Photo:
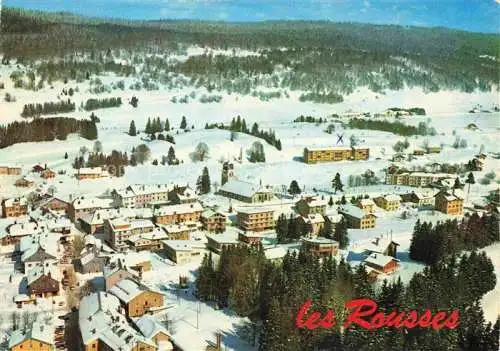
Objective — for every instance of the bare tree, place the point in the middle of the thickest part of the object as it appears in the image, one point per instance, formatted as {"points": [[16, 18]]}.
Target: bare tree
{"points": [[78, 245], [200, 152], [97, 146]]}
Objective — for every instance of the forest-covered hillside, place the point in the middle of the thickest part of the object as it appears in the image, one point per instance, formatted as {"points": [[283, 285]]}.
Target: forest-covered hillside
{"points": [[326, 60]]}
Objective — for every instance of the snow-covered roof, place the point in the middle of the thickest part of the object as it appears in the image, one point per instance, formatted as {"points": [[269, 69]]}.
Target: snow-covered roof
{"points": [[242, 188], [94, 170], [175, 228], [156, 234], [22, 229], [39, 239], [100, 215], [224, 238], [49, 248], [149, 327], [334, 218], [178, 209], [57, 223], [91, 202], [367, 202], [276, 252], [378, 244], [352, 211], [122, 224], [99, 319], [209, 213], [377, 259], [314, 218], [21, 201], [452, 194], [321, 240], [36, 272], [178, 245], [40, 331], [252, 210], [127, 290], [392, 197], [143, 189]]}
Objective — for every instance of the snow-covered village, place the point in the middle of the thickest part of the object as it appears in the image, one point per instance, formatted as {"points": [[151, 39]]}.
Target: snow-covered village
{"points": [[190, 191]]}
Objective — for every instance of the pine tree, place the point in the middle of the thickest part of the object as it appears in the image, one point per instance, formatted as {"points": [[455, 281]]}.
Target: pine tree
{"points": [[294, 188], [330, 201], [65, 155], [340, 234], [282, 229], [337, 183], [343, 200], [183, 123], [327, 230], [470, 180], [132, 130], [171, 159], [148, 129], [203, 183], [167, 125]]}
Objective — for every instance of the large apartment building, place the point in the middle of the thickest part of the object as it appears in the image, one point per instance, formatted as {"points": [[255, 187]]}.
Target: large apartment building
{"points": [[82, 206], [142, 195], [335, 153], [450, 202], [255, 219], [417, 179]]}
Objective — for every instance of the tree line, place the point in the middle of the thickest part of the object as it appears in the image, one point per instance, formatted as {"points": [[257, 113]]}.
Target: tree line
{"points": [[94, 104], [47, 108], [116, 160], [45, 129], [392, 127], [431, 243]]}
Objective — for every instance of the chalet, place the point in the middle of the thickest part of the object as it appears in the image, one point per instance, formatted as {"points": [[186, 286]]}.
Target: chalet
{"points": [[177, 231], [58, 225], [15, 232], [47, 174], [10, 170], [421, 198], [390, 202], [334, 153], [91, 173], [41, 282], [320, 246], [37, 168], [38, 336], [381, 263], [85, 205], [398, 157], [40, 255], [182, 195], [450, 202], [177, 214], [54, 204], [150, 241], [255, 219], [14, 207], [310, 205], [250, 238], [153, 330], [103, 326], [245, 191], [182, 251], [116, 271], [136, 298], [356, 218], [314, 222], [90, 262], [334, 219], [381, 245], [217, 242], [24, 182], [367, 205], [213, 221]]}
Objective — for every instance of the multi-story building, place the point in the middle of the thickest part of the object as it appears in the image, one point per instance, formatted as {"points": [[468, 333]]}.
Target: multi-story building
{"points": [[24, 182], [367, 205], [421, 198], [94, 222], [121, 229], [314, 222], [381, 263], [320, 246], [39, 336], [390, 202], [47, 174], [213, 221], [356, 218], [41, 282], [177, 214], [335, 153], [182, 251], [86, 205], [136, 298], [10, 170], [255, 219], [417, 179], [150, 241], [310, 205], [245, 191], [182, 195], [14, 207], [139, 196], [450, 202], [177, 231], [219, 242], [91, 173]]}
